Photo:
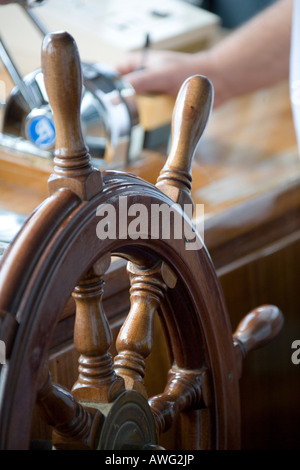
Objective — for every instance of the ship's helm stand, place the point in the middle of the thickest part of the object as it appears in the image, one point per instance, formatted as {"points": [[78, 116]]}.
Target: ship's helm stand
{"points": [[58, 254]]}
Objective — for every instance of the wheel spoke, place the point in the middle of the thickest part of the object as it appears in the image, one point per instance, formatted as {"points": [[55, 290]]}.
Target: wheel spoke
{"points": [[185, 391], [135, 340], [97, 381], [74, 426]]}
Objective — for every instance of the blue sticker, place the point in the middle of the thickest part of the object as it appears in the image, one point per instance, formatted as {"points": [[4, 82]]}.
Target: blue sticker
{"points": [[41, 132]]}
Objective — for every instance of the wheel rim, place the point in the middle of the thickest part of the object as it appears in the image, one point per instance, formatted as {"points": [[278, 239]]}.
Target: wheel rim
{"points": [[39, 316]]}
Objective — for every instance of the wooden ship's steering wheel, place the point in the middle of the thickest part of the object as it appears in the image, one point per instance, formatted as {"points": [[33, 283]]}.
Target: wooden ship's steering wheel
{"points": [[59, 254]]}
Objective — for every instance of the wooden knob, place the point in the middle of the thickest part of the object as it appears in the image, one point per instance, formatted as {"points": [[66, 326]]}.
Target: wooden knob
{"points": [[190, 116], [256, 329], [63, 80]]}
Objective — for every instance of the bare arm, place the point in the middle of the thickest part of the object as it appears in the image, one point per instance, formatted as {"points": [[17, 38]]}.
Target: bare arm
{"points": [[253, 56], [256, 55]]}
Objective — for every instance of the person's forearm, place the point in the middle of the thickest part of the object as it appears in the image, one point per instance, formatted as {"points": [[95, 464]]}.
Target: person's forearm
{"points": [[255, 55]]}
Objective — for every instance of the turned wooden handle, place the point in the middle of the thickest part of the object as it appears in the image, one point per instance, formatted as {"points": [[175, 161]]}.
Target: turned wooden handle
{"points": [[258, 328], [63, 80], [190, 116]]}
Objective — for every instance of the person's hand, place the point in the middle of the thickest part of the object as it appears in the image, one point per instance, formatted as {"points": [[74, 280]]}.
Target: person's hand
{"points": [[163, 71]]}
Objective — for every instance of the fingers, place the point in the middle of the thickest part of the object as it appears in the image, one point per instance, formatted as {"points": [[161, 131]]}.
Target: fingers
{"points": [[153, 59], [152, 81], [161, 72], [129, 64]]}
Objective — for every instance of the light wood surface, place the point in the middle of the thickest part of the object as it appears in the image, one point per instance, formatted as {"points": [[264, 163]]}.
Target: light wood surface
{"points": [[249, 148]]}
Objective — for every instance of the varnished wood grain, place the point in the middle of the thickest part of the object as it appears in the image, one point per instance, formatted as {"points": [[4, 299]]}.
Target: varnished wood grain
{"points": [[72, 162], [191, 113]]}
